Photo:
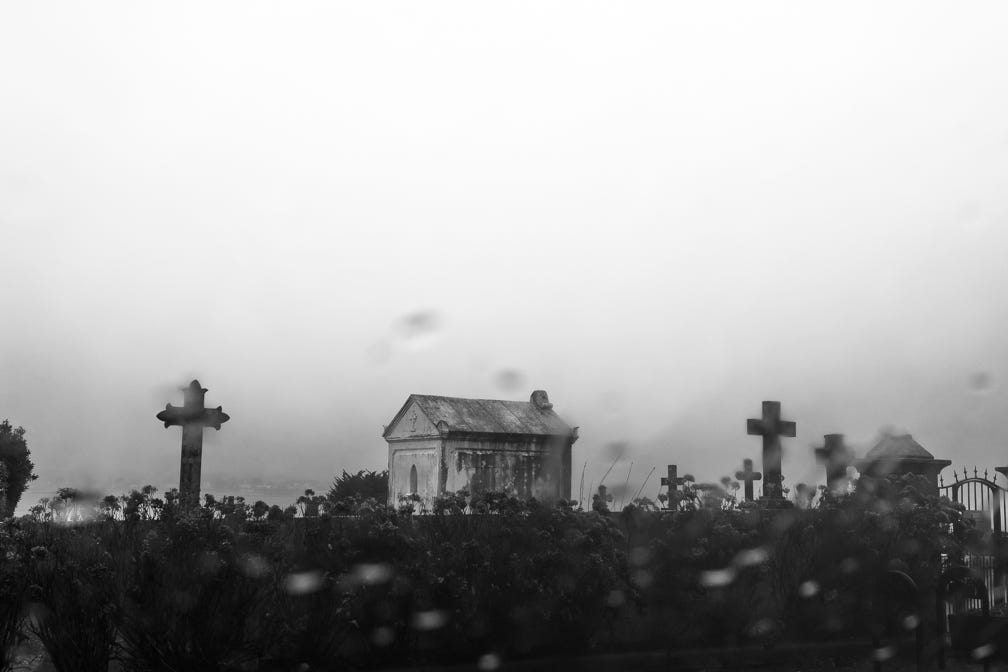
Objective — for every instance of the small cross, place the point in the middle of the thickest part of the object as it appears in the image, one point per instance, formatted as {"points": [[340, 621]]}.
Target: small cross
{"points": [[748, 476], [192, 417], [837, 457], [673, 481], [771, 428], [603, 496]]}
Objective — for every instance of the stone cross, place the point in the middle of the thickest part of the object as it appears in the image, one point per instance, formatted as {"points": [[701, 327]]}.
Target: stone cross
{"points": [[192, 417], [837, 456], [602, 493], [771, 428], [748, 476], [673, 481]]}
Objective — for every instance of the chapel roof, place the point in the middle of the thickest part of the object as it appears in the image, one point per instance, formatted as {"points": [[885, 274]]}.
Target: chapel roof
{"points": [[898, 447], [492, 416]]}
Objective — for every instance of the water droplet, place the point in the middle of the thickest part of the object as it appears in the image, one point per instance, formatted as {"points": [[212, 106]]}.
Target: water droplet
{"points": [[911, 621], [716, 578], [808, 588], [488, 661], [383, 636], [983, 651], [509, 380], [849, 565], [302, 583], [419, 328], [762, 627], [639, 555], [980, 381], [642, 578], [616, 451], [615, 599], [366, 574], [253, 565], [429, 620], [884, 653], [751, 556]]}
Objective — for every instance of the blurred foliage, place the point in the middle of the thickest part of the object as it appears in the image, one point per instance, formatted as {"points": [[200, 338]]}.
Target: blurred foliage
{"points": [[232, 585], [73, 596], [16, 468], [14, 583]]}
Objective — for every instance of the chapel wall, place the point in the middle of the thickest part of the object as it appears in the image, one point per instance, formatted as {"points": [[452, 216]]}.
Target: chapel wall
{"points": [[533, 467], [403, 456]]}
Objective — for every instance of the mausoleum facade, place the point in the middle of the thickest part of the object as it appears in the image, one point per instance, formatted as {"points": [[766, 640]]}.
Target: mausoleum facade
{"points": [[444, 444]]}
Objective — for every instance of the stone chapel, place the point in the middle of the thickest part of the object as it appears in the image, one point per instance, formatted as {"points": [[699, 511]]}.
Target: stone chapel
{"points": [[439, 445]]}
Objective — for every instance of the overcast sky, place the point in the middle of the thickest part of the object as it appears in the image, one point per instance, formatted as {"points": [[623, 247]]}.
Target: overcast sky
{"points": [[661, 213]]}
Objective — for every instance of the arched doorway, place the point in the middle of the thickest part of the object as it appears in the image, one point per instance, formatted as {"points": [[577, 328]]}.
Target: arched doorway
{"points": [[413, 480]]}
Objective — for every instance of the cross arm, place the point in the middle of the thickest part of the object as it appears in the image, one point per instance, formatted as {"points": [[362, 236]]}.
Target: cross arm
{"points": [[172, 415], [180, 415], [786, 428], [754, 426], [215, 417]]}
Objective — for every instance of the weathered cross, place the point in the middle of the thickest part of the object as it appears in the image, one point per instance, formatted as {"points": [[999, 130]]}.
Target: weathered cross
{"points": [[837, 457], [193, 417], [748, 476], [771, 428], [673, 482]]}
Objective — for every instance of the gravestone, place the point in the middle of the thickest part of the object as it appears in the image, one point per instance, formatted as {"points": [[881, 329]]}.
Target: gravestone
{"points": [[192, 417], [771, 428], [747, 475], [837, 456], [673, 481]]}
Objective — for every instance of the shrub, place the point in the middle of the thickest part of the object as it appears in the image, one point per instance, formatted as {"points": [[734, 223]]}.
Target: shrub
{"points": [[16, 467], [14, 558], [188, 600], [359, 486], [73, 591], [230, 585]]}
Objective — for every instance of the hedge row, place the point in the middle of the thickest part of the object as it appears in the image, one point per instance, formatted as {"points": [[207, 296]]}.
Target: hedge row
{"points": [[202, 590]]}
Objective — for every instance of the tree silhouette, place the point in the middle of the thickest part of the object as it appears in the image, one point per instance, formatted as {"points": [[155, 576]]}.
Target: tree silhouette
{"points": [[362, 485], [16, 467]]}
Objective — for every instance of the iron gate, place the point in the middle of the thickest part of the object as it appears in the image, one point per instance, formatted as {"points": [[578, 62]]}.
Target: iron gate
{"points": [[985, 501]]}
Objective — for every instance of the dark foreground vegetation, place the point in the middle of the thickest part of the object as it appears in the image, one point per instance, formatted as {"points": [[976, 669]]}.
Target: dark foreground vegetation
{"points": [[232, 586]]}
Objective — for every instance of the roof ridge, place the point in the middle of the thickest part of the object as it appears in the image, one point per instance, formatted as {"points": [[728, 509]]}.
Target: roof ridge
{"points": [[491, 416], [444, 396]]}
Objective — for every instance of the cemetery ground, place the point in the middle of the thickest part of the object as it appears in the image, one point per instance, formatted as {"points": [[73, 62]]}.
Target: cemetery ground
{"points": [[488, 582], [31, 657]]}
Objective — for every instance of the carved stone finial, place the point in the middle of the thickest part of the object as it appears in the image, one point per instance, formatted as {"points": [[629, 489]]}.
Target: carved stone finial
{"points": [[541, 400]]}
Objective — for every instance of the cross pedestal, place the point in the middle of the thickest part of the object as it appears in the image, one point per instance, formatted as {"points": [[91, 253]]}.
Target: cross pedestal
{"points": [[771, 428], [192, 417], [748, 476]]}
